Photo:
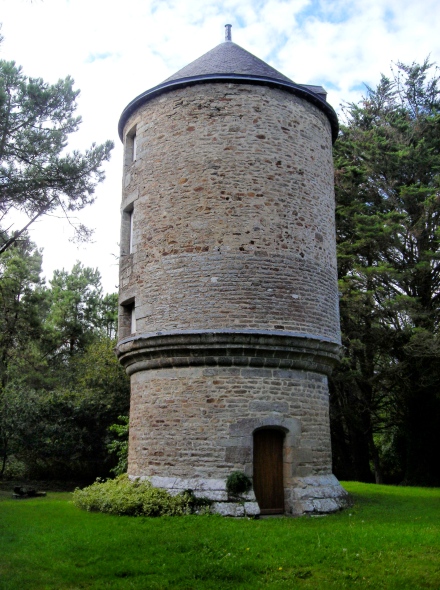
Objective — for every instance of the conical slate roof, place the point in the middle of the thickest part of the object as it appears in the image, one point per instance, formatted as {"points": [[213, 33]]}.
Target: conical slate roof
{"points": [[228, 58], [228, 62]]}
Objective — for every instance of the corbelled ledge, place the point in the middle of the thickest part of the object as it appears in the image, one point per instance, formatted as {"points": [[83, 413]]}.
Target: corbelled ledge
{"points": [[228, 347]]}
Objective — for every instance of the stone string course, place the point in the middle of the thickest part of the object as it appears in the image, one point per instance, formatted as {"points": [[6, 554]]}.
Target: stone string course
{"points": [[233, 229], [240, 348]]}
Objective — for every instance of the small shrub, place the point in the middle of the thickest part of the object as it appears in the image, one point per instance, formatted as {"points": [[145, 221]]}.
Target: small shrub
{"points": [[122, 496], [15, 469], [197, 504], [238, 483]]}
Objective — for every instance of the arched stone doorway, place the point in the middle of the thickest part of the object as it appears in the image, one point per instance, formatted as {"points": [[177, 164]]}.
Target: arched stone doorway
{"points": [[268, 470]]}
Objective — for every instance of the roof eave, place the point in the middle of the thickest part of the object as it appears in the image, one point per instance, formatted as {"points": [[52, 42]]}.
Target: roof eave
{"points": [[296, 89]]}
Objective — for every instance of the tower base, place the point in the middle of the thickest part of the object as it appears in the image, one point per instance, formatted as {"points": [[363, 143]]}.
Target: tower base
{"points": [[319, 494], [207, 404]]}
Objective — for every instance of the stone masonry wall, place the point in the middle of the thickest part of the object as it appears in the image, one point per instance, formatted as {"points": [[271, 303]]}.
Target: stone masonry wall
{"points": [[233, 211], [205, 417], [232, 260]]}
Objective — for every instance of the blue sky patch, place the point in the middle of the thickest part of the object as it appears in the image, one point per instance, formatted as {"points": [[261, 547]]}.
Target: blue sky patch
{"points": [[360, 87], [98, 56], [325, 12], [328, 85]]}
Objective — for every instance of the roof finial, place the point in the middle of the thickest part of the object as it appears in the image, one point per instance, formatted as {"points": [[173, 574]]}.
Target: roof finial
{"points": [[228, 36]]}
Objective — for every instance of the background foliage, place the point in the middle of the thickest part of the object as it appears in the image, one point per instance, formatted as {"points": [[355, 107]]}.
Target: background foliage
{"points": [[385, 398], [61, 385]]}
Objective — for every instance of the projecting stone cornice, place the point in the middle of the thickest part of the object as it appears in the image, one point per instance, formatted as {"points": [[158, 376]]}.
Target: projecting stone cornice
{"points": [[299, 90], [231, 348]]}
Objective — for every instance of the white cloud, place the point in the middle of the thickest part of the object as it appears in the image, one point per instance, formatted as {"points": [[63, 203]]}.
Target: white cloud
{"points": [[115, 51]]}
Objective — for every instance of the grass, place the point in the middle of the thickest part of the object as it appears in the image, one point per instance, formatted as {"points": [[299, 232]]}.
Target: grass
{"points": [[390, 539]]}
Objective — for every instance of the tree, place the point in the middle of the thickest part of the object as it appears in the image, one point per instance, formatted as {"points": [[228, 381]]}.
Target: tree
{"points": [[36, 176], [66, 435], [19, 421], [75, 309], [22, 309], [61, 385], [119, 445], [21, 304], [109, 315], [385, 397]]}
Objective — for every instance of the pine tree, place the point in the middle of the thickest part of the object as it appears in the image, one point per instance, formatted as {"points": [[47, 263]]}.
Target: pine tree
{"points": [[36, 176], [387, 162]]}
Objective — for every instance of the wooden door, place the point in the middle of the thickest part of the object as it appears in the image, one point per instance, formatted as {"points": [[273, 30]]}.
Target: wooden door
{"points": [[268, 471]]}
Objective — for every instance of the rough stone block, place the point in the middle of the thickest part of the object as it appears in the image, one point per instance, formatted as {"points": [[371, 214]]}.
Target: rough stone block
{"points": [[325, 505], [238, 454], [228, 509], [251, 509], [268, 406]]}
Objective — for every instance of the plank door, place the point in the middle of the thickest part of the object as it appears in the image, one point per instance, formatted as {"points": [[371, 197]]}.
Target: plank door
{"points": [[268, 471]]}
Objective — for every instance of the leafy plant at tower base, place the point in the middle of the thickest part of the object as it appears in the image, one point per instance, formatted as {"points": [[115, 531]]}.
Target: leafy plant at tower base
{"points": [[122, 496], [238, 483]]}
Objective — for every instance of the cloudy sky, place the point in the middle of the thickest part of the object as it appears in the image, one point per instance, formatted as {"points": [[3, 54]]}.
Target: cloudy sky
{"points": [[116, 50]]}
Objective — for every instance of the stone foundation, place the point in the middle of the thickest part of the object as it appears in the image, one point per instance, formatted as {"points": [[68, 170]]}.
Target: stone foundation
{"points": [[308, 495], [320, 494]]}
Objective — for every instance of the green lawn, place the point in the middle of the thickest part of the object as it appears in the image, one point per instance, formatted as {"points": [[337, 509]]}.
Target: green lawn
{"points": [[389, 539]]}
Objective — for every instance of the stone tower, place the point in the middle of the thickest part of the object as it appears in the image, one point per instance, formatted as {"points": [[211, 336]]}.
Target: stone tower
{"points": [[229, 319]]}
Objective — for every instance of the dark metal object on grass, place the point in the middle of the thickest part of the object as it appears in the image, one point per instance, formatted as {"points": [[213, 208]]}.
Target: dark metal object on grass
{"points": [[22, 493]]}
